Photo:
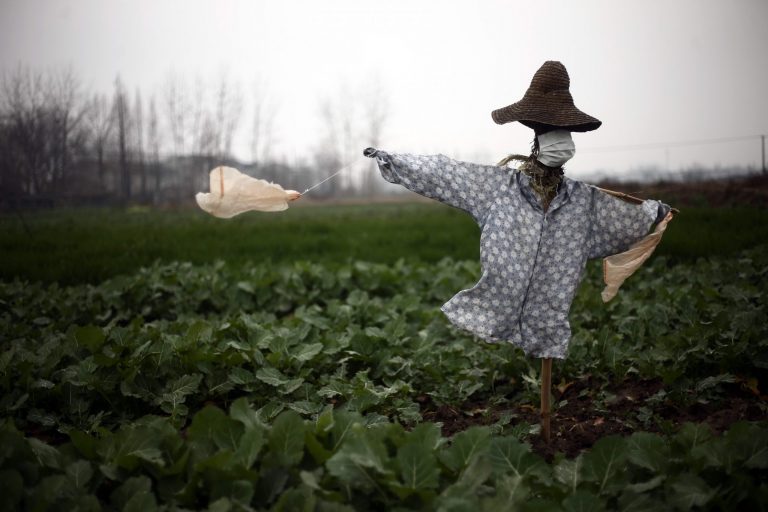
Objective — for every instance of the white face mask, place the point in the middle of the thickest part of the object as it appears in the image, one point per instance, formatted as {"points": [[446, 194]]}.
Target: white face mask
{"points": [[555, 148]]}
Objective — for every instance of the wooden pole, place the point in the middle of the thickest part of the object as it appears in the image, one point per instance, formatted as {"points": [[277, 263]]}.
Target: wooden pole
{"points": [[628, 198], [546, 388]]}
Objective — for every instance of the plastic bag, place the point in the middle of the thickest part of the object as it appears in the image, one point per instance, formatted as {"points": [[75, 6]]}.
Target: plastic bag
{"points": [[233, 193], [618, 267]]}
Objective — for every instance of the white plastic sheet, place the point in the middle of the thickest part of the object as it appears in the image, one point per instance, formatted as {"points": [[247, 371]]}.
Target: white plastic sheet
{"points": [[618, 267], [233, 193]]}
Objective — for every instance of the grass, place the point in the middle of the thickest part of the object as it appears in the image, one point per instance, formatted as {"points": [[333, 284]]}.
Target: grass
{"points": [[89, 245]]}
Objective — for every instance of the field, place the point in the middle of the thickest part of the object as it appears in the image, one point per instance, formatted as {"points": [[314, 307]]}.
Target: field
{"points": [[78, 246], [299, 361]]}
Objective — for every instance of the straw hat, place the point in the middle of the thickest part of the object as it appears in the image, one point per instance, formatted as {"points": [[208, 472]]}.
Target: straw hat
{"points": [[548, 102]]}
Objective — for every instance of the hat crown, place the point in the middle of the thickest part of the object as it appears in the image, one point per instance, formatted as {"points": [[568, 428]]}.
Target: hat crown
{"points": [[551, 76], [548, 101]]}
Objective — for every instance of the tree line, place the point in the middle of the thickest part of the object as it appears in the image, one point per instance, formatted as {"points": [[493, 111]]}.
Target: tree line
{"points": [[63, 144]]}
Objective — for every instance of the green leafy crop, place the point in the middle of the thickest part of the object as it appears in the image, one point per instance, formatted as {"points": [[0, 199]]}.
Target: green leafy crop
{"points": [[306, 386]]}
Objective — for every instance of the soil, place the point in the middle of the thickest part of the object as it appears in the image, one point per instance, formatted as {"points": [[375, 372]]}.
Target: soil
{"points": [[579, 423]]}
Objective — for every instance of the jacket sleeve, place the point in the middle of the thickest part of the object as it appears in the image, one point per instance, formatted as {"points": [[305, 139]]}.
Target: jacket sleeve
{"points": [[617, 224], [467, 186]]}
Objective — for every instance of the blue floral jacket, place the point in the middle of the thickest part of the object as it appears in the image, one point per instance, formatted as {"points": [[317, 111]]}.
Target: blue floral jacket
{"points": [[532, 261]]}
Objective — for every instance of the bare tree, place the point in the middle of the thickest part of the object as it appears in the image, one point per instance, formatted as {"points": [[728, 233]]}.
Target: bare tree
{"points": [[177, 108], [138, 143], [101, 121], [205, 136], [47, 129], [375, 108], [262, 125], [198, 130], [123, 121], [180, 127], [208, 138], [42, 119], [153, 146], [228, 109], [346, 113], [328, 154], [24, 118], [351, 119], [67, 133], [216, 124]]}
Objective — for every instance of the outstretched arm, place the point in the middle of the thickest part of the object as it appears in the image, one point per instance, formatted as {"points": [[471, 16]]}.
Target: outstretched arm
{"points": [[467, 186], [617, 224]]}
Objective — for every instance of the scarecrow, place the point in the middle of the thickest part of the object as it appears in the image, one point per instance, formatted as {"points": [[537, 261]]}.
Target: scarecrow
{"points": [[538, 227]]}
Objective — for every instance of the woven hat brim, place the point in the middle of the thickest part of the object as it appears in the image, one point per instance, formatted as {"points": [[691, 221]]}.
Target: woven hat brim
{"points": [[566, 116]]}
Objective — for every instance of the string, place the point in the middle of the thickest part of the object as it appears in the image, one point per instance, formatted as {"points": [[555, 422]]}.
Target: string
{"points": [[332, 175]]}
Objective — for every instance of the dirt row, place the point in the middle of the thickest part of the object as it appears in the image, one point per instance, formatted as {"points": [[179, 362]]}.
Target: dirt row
{"points": [[583, 420]]}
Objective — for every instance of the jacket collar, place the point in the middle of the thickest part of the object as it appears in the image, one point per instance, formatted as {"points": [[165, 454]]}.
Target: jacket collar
{"points": [[564, 192]]}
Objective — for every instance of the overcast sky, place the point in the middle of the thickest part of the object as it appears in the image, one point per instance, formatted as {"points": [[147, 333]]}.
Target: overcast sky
{"points": [[652, 71]]}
